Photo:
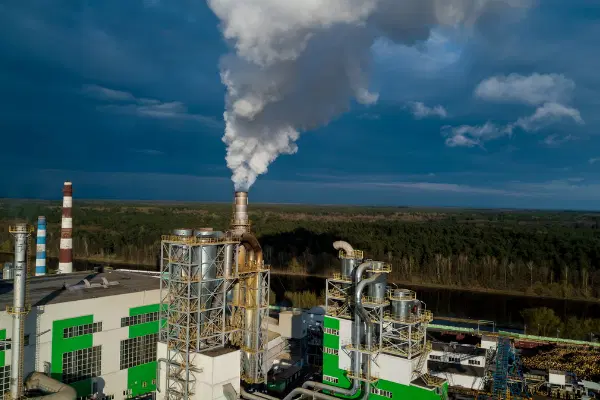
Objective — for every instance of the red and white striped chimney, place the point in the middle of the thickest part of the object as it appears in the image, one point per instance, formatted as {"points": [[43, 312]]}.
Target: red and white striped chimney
{"points": [[65, 258]]}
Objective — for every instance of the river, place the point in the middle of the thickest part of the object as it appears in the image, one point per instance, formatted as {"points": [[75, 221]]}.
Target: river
{"points": [[505, 310]]}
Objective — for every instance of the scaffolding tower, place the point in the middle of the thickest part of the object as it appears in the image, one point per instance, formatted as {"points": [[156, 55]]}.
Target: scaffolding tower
{"points": [[196, 274], [214, 291]]}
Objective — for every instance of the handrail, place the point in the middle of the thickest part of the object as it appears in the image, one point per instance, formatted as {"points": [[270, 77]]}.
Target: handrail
{"points": [[356, 254]]}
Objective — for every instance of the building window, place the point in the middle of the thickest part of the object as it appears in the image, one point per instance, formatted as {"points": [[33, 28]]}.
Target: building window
{"points": [[383, 393], [330, 331], [154, 381], [4, 380], [328, 350], [434, 357], [474, 362], [139, 319], [139, 350], [80, 330], [82, 364], [454, 359], [330, 379], [7, 345]]}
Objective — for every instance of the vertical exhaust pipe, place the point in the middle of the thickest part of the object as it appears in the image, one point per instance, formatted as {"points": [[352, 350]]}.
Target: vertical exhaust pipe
{"points": [[240, 222], [65, 259], [19, 309], [40, 251]]}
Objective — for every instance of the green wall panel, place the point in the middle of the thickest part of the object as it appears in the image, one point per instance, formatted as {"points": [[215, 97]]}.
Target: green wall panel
{"points": [[137, 376], [60, 345], [144, 373], [3, 352], [331, 367]]}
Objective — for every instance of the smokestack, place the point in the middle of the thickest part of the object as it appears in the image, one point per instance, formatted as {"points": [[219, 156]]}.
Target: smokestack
{"points": [[40, 251], [240, 222], [65, 259], [18, 310]]}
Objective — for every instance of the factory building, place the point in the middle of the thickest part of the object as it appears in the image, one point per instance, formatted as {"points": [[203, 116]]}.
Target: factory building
{"points": [[96, 332], [200, 327]]}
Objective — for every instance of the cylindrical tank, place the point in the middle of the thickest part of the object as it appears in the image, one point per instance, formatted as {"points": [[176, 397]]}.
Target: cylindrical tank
{"points": [[402, 302], [348, 265], [229, 259], [204, 257], [183, 232], [377, 290], [251, 329], [7, 271]]}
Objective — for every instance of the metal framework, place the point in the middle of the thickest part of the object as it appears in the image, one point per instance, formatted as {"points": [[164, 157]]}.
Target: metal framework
{"points": [[403, 336], [253, 305], [211, 296], [193, 306]]}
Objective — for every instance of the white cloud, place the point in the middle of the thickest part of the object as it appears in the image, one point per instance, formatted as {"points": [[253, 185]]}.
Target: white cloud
{"points": [[555, 140], [534, 89], [547, 114], [594, 160], [420, 110], [103, 93], [127, 103], [474, 135]]}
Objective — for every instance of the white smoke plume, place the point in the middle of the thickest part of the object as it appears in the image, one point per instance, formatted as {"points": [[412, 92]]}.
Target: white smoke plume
{"points": [[296, 64]]}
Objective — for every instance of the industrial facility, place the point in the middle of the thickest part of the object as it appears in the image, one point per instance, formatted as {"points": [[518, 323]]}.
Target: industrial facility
{"points": [[202, 328]]}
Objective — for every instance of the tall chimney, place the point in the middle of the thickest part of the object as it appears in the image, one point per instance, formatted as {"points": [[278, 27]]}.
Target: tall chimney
{"points": [[40, 252], [240, 222], [19, 309], [65, 259]]}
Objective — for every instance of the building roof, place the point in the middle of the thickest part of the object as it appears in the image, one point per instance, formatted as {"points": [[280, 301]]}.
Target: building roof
{"points": [[53, 289]]}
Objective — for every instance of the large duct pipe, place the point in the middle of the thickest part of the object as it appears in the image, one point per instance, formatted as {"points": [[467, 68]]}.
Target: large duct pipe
{"points": [[57, 390], [240, 222], [21, 233], [341, 245], [65, 260], [40, 251]]}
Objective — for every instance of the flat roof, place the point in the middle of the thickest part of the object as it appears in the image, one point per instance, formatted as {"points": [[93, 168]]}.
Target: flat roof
{"points": [[52, 289]]}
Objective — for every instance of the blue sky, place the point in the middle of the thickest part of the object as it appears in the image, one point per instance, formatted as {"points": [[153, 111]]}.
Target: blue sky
{"points": [[125, 100]]}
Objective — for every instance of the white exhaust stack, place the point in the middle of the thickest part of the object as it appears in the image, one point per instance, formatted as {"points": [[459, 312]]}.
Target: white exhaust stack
{"points": [[19, 309]]}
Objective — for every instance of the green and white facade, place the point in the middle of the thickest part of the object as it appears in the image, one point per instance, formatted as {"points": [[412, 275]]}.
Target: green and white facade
{"points": [[97, 343], [394, 374]]}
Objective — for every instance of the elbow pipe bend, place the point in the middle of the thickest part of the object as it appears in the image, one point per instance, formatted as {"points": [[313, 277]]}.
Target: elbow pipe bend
{"points": [[341, 245]]}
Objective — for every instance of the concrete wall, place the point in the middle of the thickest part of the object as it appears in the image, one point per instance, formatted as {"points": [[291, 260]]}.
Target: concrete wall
{"points": [[215, 372]]}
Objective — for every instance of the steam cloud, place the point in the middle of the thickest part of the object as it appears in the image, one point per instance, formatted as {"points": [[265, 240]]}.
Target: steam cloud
{"points": [[297, 64]]}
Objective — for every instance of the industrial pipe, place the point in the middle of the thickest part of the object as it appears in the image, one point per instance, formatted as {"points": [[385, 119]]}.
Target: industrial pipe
{"points": [[358, 272], [340, 244], [251, 244], [254, 396], [57, 390], [18, 309]]}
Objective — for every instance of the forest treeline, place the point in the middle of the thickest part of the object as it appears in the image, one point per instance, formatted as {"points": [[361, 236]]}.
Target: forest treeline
{"points": [[544, 253]]}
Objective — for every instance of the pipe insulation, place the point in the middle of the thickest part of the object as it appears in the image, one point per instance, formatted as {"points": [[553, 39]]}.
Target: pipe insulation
{"points": [[341, 245], [57, 390]]}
